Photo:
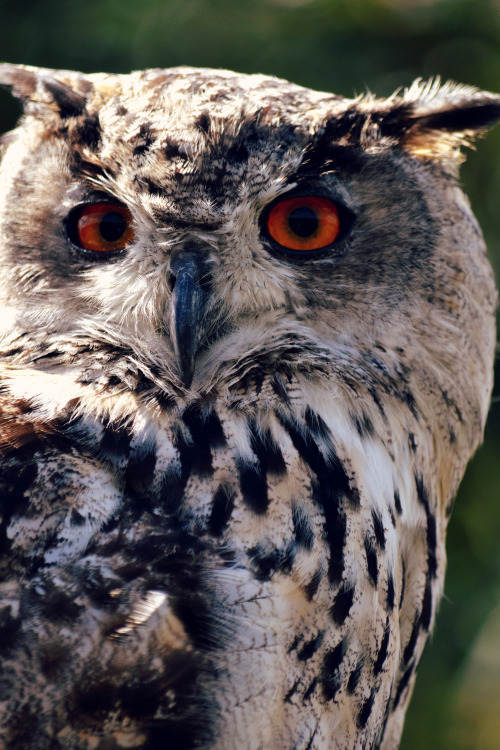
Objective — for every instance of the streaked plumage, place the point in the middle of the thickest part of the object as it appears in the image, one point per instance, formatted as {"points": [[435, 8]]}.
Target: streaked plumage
{"points": [[227, 470]]}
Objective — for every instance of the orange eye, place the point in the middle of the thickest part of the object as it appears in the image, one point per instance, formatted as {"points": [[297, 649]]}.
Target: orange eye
{"points": [[101, 227], [304, 223]]}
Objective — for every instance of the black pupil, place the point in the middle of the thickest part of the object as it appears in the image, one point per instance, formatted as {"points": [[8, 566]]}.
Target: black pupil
{"points": [[303, 221], [112, 226]]}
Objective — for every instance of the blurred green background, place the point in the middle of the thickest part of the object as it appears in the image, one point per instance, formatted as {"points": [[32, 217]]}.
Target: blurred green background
{"points": [[345, 46]]}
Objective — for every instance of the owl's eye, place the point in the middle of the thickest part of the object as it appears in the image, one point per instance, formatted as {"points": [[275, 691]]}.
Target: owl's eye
{"points": [[303, 223], [100, 227]]}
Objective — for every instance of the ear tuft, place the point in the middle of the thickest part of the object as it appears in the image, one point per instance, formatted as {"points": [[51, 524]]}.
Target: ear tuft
{"points": [[37, 88], [19, 79], [69, 102], [442, 118]]}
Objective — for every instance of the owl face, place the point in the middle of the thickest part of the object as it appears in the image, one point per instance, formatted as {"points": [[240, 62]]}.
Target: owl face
{"points": [[246, 353], [221, 189]]}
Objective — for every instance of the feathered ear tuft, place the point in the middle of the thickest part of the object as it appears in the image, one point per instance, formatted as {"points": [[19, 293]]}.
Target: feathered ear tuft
{"points": [[37, 89], [436, 120]]}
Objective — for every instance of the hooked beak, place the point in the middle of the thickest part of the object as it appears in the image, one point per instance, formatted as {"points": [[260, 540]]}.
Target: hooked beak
{"points": [[189, 281]]}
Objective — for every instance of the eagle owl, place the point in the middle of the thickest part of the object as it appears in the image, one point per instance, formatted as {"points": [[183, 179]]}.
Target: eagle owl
{"points": [[246, 354]]}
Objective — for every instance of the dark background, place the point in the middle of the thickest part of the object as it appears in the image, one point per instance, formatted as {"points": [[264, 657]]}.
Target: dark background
{"points": [[345, 46]]}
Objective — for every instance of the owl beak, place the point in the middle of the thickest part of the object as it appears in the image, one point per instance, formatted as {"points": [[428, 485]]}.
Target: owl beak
{"points": [[190, 285]]}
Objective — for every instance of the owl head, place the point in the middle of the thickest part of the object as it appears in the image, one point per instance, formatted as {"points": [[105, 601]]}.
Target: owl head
{"points": [[186, 227]]}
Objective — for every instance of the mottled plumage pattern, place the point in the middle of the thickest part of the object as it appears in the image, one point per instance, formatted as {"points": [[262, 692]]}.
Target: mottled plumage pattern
{"points": [[245, 549]]}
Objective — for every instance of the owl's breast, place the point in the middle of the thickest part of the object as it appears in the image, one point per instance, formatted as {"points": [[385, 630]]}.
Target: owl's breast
{"points": [[230, 574]]}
